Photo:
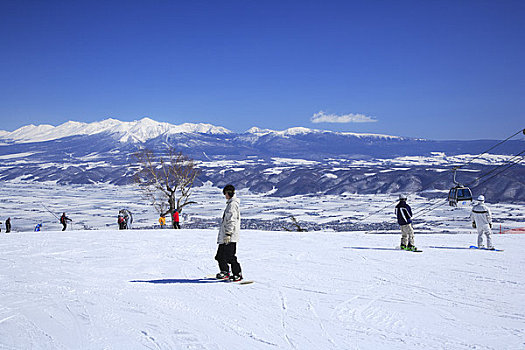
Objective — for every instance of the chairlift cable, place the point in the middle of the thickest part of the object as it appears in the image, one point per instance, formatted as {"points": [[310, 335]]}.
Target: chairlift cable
{"points": [[49, 210], [428, 205], [424, 211], [511, 160], [429, 209], [379, 210], [490, 149], [508, 167], [453, 169]]}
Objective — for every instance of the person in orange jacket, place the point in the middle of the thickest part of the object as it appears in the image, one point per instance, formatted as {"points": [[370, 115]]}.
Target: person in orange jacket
{"points": [[162, 221]]}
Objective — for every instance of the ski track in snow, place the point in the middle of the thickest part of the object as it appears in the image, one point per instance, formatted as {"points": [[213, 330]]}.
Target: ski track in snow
{"points": [[143, 289]]}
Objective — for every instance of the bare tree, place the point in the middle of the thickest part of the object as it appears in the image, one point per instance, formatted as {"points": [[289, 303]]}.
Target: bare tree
{"points": [[166, 180]]}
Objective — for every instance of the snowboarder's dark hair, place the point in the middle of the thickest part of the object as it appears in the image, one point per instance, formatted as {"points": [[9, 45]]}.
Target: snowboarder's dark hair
{"points": [[229, 189]]}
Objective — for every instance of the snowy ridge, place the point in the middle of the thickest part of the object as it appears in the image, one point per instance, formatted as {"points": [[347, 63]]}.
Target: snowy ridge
{"points": [[146, 129], [136, 131], [303, 131]]}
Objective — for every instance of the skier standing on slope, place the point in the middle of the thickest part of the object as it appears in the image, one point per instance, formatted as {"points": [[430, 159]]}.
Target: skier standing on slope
{"points": [[482, 220], [121, 222], [404, 219], [63, 220], [8, 225], [162, 221], [176, 219], [228, 237]]}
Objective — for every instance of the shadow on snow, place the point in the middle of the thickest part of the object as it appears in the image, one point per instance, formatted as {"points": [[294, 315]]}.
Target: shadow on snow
{"points": [[371, 248], [180, 281], [434, 247]]}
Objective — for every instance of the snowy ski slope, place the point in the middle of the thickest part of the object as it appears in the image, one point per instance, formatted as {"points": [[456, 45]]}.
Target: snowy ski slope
{"points": [[143, 289]]}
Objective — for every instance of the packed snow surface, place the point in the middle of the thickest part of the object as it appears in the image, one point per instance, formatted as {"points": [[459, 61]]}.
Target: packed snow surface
{"points": [[145, 289]]}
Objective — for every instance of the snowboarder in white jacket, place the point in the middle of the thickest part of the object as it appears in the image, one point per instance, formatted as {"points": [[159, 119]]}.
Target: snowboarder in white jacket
{"points": [[482, 221], [228, 237]]}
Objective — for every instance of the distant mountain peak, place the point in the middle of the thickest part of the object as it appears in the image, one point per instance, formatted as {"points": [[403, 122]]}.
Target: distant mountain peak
{"points": [[135, 131], [258, 131], [298, 130], [294, 131]]}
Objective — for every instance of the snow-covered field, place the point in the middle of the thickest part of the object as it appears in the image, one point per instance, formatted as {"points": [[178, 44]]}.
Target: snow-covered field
{"points": [[96, 207], [143, 289]]}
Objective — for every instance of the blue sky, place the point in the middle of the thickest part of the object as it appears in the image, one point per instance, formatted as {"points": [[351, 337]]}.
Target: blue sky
{"points": [[433, 69]]}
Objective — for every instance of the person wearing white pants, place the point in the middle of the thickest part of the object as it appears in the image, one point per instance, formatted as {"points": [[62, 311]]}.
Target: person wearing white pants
{"points": [[482, 221], [404, 219]]}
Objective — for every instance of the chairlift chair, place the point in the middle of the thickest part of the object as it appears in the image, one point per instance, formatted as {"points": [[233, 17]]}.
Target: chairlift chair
{"points": [[459, 195]]}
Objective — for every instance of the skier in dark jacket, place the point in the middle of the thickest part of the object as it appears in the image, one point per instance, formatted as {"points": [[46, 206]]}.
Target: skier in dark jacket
{"points": [[404, 219], [8, 225], [63, 220], [121, 222]]}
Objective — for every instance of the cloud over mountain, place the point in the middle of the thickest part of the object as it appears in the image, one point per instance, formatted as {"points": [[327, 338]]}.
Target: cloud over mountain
{"points": [[322, 117]]}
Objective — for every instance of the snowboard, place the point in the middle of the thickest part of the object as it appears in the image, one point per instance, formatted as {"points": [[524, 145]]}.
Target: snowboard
{"points": [[243, 282], [413, 251], [495, 250]]}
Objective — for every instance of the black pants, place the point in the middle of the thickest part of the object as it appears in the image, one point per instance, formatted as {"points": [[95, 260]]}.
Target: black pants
{"points": [[176, 225], [65, 226], [226, 255]]}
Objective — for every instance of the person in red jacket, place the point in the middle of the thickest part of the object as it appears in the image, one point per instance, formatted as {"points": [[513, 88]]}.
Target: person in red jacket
{"points": [[176, 224]]}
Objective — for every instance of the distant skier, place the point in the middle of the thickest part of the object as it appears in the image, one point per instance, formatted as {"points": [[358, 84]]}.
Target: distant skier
{"points": [[128, 218], [228, 237], [482, 220], [162, 221], [176, 224], [63, 220], [8, 225], [38, 227], [404, 219], [121, 222]]}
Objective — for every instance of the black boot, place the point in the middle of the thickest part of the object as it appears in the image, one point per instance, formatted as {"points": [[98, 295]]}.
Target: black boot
{"points": [[223, 275], [236, 278]]}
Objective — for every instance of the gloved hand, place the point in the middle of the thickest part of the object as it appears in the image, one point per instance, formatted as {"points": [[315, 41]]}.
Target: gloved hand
{"points": [[227, 239], [473, 224]]}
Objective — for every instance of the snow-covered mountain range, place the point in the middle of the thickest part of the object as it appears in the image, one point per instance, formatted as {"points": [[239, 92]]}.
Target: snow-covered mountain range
{"points": [[136, 131], [143, 130], [283, 163]]}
